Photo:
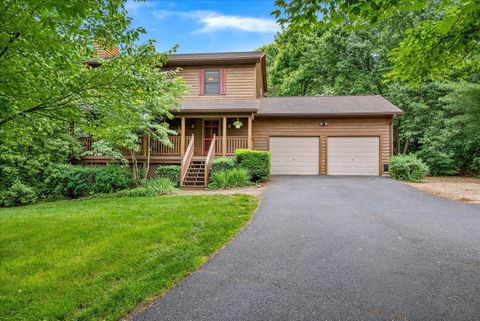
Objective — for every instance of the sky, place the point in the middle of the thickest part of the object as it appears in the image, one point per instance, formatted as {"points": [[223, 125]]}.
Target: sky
{"points": [[205, 26]]}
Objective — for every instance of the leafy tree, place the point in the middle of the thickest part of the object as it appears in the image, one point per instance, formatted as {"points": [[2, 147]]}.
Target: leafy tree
{"points": [[445, 41], [46, 86]]}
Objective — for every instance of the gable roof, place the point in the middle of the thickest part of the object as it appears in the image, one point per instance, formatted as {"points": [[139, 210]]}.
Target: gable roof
{"points": [[303, 106]]}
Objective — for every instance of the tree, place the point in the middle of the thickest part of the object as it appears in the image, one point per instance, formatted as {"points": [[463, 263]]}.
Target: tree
{"points": [[444, 41], [46, 87]]}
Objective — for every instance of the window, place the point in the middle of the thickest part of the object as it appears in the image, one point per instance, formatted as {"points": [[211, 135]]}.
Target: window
{"points": [[212, 82]]}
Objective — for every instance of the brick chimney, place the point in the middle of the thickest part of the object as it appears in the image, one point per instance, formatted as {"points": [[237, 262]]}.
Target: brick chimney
{"points": [[105, 53]]}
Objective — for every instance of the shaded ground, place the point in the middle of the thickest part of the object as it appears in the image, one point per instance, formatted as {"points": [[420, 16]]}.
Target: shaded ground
{"points": [[340, 248], [255, 190], [462, 189]]}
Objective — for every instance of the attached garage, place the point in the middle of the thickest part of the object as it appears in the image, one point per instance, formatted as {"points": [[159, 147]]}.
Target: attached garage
{"points": [[353, 155], [295, 155]]}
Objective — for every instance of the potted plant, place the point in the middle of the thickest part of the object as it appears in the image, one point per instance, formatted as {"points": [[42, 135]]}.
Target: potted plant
{"points": [[237, 124]]}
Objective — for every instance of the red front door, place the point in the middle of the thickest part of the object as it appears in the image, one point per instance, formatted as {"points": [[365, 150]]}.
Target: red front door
{"points": [[210, 128]]}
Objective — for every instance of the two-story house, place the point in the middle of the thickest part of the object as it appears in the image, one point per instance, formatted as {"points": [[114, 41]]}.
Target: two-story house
{"points": [[228, 108]]}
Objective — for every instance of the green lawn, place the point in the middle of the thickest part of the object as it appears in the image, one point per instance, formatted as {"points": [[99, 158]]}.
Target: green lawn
{"points": [[98, 259]]}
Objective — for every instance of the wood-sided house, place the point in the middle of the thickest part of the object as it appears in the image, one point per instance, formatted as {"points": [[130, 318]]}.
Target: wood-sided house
{"points": [[228, 108]]}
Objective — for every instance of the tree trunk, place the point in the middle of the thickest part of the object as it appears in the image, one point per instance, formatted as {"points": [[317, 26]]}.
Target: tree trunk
{"points": [[147, 170], [134, 168], [405, 147]]}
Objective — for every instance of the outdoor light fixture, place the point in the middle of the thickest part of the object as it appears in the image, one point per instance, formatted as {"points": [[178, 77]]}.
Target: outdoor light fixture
{"points": [[323, 124], [192, 124]]}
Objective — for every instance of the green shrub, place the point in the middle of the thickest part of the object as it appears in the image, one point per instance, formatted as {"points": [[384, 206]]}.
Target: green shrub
{"points": [[171, 172], [222, 164], [77, 181], [18, 194], [438, 162], [155, 187], [112, 178], [256, 162], [408, 168], [236, 177], [475, 167]]}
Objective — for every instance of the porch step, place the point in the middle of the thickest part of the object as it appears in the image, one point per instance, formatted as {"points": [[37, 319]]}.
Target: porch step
{"points": [[195, 176]]}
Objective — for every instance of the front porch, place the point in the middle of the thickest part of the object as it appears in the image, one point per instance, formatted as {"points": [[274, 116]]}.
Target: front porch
{"points": [[199, 139], [201, 129]]}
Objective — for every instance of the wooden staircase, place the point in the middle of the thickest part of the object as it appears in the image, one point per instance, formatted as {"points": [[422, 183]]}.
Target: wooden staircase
{"points": [[195, 175], [195, 170]]}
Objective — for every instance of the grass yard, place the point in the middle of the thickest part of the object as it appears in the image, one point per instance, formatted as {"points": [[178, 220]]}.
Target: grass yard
{"points": [[98, 259]]}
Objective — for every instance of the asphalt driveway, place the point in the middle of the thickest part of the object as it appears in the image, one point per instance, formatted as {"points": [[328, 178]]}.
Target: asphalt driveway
{"points": [[340, 248]]}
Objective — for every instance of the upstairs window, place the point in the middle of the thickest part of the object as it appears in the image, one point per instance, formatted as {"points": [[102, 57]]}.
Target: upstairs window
{"points": [[212, 82]]}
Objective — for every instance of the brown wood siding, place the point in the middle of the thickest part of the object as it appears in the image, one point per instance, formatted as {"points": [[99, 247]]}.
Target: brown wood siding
{"points": [[264, 128], [240, 81], [258, 80]]}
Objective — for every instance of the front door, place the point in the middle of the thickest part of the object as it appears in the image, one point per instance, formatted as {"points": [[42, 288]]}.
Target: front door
{"points": [[210, 128]]}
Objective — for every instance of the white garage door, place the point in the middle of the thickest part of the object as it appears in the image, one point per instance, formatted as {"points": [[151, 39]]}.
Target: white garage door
{"points": [[352, 155], [295, 155]]}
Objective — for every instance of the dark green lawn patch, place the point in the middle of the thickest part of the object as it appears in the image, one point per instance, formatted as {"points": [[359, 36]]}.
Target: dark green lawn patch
{"points": [[98, 259]]}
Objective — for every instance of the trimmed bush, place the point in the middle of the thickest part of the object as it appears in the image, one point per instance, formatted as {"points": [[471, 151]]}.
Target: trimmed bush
{"points": [[236, 177], [18, 194], [112, 178], [256, 162], [155, 187], [222, 164], [171, 172], [407, 168], [77, 181]]}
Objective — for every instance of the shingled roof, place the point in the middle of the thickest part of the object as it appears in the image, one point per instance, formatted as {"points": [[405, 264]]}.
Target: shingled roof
{"points": [[326, 106], [296, 106], [215, 58]]}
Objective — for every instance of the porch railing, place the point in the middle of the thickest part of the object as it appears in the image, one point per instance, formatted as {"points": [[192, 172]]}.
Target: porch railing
{"points": [[187, 158], [233, 143], [158, 148], [208, 160]]}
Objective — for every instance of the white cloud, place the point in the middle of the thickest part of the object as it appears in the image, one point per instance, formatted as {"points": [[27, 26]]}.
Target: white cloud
{"points": [[211, 21]]}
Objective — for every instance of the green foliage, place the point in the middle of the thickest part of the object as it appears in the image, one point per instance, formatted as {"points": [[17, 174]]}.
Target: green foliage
{"points": [[99, 259], [256, 162], [222, 164], [475, 167], [236, 177], [170, 172], [18, 194], [149, 188], [112, 178], [45, 87], [438, 38], [77, 181], [407, 168], [74, 181]]}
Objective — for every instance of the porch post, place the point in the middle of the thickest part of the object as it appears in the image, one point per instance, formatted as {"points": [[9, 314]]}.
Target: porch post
{"points": [[182, 137], [224, 137], [250, 143]]}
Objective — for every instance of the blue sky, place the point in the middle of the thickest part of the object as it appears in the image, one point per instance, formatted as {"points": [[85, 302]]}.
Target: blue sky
{"points": [[206, 26]]}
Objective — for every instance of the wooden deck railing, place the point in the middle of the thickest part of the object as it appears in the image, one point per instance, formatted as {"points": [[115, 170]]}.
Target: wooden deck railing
{"points": [[159, 149], [187, 158], [208, 160], [236, 142], [233, 143]]}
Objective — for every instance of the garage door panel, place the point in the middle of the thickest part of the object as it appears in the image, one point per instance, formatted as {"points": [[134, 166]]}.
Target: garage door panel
{"points": [[352, 155], [295, 155]]}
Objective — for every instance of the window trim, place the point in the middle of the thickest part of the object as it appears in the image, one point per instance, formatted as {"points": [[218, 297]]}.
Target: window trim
{"points": [[204, 85]]}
